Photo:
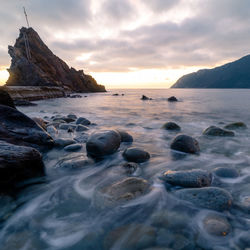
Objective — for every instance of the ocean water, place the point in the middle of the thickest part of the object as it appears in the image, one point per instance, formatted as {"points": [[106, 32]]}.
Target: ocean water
{"points": [[63, 211]]}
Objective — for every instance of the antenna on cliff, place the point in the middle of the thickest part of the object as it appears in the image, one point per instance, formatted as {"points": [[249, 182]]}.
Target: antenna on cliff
{"points": [[26, 41], [26, 17]]}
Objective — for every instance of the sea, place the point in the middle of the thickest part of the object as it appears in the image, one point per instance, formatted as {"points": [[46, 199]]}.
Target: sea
{"points": [[63, 210]]}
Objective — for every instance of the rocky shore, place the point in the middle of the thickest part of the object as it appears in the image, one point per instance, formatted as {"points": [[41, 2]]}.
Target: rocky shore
{"points": [[122, 184], [43, 75]]}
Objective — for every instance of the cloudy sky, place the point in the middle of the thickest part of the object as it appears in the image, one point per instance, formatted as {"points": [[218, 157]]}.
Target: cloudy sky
{"points": [[133, 43]]}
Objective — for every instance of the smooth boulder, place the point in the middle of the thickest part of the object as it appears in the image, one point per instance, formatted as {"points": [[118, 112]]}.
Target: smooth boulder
{"points": [[18, 163], [189, 178], [5, 99], [171, 126], [103, 143], [216, 131], [125, 136], [236, 125], [186, 144], [17, 128], [226, 172], [83, 121], [73, 147], [207, 197], [136, 155]]}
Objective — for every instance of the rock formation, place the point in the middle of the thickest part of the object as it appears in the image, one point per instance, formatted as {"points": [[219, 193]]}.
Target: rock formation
{"points": [[44, 68], [231, 75]]}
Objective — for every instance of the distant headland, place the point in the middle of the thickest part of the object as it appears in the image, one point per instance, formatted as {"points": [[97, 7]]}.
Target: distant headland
{"points": [[231, 75]]}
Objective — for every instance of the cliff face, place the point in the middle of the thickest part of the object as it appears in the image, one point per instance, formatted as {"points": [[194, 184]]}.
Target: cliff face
{"points": [[231, 75], [44, 68]]}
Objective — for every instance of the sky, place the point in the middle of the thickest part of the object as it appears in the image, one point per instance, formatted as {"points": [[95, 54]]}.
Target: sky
{"points": [[132, 43]]}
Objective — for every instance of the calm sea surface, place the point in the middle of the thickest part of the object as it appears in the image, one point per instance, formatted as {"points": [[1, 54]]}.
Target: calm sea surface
{"points": [[62, 211]]}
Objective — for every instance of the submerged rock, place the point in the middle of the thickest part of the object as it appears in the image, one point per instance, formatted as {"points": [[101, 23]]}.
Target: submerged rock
{"points": [[216, 225], [125, 136], [186, 144], [72, 116], [226, 172], [83, 121], [172, 99], [130, 167], [216, 131], [63, 142], [188, 178], [17, 128], [5, 98], [123, 190], [73, 147], [130, 237], [81, 128], [103, 143], [74, 162], [236, 125], [136, 155], [145, 98], [19, 163], [207, 197], [67, 126], [171, 126], [42, 123]]}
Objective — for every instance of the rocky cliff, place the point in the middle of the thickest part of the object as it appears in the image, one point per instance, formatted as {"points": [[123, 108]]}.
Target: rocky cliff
{"points": [[43, 68], [231, 75]]}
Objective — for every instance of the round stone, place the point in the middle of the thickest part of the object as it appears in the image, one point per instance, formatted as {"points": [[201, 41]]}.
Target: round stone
{"points": [[136, 155]]}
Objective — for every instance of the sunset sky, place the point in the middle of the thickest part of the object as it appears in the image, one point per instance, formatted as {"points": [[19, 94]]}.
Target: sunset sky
{"points": [[133, 43]]}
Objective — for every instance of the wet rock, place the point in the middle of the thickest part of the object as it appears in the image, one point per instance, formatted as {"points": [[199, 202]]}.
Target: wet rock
{"points": [[125, 136], [236, 125], [24, 103], [18, 163], [122, 191], [52, 130], [68, 119], [67, 126], [74, 96], [145, 98], [130, 237], [74, 162], [207, 197], [64, 142], [103, 143], [186, 144], [19, 129], [81, 128], [216, 131], [42, 123], [115, 94], [172, 99], [58, 120], [73, 147], [216, 225], [5, 98], [188, 178], [81, 138], [226, 172], [130, 167], [83, 121], [72, 116], [171, 126], [136, 155]]}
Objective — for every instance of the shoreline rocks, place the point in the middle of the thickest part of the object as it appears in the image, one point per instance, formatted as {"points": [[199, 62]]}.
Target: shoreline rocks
{"points": [[19, 163], [103, 143], [186, 144], [189, 178], [172, 126], [136, 155], [216, 131]]}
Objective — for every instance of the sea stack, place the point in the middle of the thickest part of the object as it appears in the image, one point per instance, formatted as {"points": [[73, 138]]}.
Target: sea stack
{"points": [[44, 69]]}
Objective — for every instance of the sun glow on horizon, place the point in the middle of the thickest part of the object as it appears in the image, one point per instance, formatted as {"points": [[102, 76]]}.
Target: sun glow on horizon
{"points": [[4, 75]]}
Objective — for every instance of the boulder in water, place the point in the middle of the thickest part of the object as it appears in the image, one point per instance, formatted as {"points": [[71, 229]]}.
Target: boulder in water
{"points": [[136, 155], [171, 126], [186, 144], [216, 131], [236, 125], [188, 178], [83, 121], [125, 136], [172, 99], [103, 143]]}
